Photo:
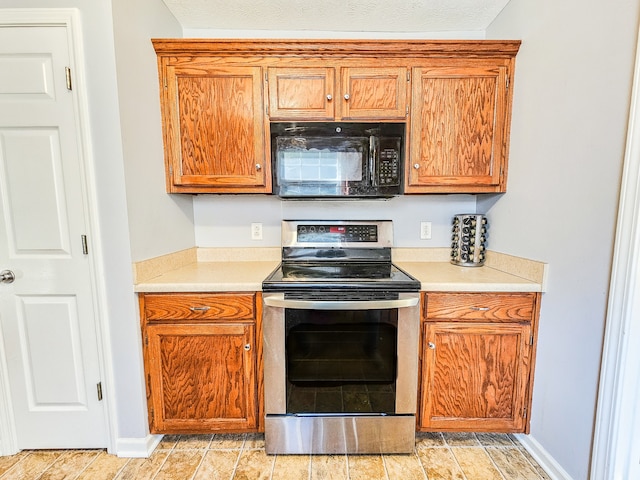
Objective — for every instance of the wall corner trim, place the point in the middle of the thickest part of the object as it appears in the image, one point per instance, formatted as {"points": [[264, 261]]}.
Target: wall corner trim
{"points": [[137, 447], [544, 459]]}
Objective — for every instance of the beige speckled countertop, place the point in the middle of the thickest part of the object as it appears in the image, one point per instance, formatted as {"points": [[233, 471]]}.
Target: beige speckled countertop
{"points": [[243, 269]]}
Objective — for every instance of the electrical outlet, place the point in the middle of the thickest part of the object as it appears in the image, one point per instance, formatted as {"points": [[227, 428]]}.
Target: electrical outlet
{"points": [[256, 231], [425, 230]]}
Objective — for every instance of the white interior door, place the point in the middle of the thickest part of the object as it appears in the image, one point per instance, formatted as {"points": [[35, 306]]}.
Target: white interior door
{"points": [[47, 314]]}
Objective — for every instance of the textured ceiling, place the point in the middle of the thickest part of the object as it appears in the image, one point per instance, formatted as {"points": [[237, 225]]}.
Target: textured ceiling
{"points": [[337, 15]]}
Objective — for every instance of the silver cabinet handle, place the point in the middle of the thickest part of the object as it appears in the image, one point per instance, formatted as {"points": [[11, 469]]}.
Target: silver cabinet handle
{"points": [[199, 309], [416, 166], [258, 167], [431, 345], [480, 309], [346, 96], [247, 347], [329, 97], [7, 276]]}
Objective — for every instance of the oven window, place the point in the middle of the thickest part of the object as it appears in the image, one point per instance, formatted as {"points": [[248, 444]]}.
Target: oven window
{"points": [[341, 361]]}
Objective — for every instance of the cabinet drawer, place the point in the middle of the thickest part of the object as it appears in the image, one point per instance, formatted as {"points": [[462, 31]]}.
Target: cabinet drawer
{"points": [[480, 306], [199, 306]]}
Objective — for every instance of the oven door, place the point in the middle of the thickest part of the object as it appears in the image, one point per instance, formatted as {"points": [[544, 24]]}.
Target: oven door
{"points": [[326, 166], [340, 376]]}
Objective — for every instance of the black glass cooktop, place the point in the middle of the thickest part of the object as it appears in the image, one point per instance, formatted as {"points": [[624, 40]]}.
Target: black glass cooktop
{"points": [[330, 275]]}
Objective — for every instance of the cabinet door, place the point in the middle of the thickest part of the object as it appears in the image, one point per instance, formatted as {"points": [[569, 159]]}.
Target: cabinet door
{"points": [[214, 129], [301, 93], [374, 93], [475, 376], [459, 125], [201, 377]]}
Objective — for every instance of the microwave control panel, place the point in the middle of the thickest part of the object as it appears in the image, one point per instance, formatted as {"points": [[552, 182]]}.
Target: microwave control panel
{"points": [[388, 161]]}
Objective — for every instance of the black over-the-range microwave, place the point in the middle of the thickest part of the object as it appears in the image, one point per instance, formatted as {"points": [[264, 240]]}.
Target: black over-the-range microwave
{"points": [[337, 159]]}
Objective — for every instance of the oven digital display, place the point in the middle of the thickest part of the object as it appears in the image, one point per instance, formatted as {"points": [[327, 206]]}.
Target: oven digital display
{"points": [[327, 233]]}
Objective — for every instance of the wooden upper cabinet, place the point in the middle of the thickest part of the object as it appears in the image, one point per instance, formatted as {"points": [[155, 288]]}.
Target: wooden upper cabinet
{"points": [[218, 97], [301, 93], [214, 128], [459, 129], [374, 93], [363, 93]]}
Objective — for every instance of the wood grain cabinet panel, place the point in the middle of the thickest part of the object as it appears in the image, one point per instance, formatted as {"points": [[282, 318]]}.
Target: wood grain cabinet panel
{"points": [[200, 306], [214, 129], [480, 306], [459, 129], [202, 377], [477, 363], [476, 376], [202, 359], [301, 93], [374, 93]]}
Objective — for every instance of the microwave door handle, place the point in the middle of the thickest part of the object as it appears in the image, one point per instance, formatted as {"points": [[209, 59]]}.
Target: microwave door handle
{"points": [[373, 154]]}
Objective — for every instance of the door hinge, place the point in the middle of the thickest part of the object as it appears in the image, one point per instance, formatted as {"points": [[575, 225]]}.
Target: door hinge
{"points": [[406, 112], [85, 246], [507, 81], [67, 74], [524, 412], [531, 339], [151, 414], [408, 75], [149, 381], [99, 387]]}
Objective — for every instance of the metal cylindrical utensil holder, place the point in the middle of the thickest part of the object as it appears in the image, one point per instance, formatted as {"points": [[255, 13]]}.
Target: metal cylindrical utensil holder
{"points": [[469, 240]]}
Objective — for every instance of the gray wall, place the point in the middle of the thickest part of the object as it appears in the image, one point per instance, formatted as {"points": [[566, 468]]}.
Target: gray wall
{"points": [[572, 92], [159, 223]]}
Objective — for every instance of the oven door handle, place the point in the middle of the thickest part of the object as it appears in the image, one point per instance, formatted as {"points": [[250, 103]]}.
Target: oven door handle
{"points": [[278, 300]]}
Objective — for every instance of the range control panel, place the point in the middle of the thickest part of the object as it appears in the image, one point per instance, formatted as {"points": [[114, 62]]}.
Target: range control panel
{"points": [[328, 233]]}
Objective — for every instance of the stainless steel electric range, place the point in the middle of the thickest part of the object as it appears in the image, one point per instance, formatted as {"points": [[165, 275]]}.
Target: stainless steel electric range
{"points": [[341, 331]]}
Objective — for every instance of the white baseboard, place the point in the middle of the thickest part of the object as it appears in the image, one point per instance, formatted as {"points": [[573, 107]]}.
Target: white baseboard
{"points": [[137, 447], [544, 459]]}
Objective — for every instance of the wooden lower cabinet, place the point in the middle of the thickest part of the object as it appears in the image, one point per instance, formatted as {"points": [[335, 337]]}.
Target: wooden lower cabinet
{"points": [[478, 353], [201, 355]]}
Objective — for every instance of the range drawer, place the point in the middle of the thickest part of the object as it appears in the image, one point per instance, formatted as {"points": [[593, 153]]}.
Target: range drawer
{"points": [[480, 306], [192, 306]]}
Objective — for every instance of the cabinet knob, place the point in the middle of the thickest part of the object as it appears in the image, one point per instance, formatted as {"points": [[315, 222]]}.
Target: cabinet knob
{"points": [[247, 347], [431, 345], [346, 96], [258, 167], [329, 97], [416, 166]]}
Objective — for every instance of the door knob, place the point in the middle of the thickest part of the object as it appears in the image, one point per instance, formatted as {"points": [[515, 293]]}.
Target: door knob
{"points": [[7, 276]]}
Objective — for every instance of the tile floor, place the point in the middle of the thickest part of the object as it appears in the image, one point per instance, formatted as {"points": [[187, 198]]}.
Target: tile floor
{"points": [[437, 456]]}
